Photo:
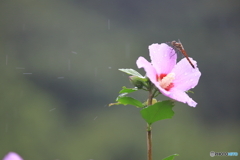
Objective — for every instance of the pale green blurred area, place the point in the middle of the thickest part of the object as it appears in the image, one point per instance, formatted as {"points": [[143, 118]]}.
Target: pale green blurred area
{"points": [[59, 71]]}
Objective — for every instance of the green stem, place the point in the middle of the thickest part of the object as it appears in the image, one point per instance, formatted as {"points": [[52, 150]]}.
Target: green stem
{"points": [[149, 130], [149, 142], [156, 93], [150, 96]]}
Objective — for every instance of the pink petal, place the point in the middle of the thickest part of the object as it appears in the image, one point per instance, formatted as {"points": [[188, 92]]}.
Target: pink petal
{"points": [[150, 71], [163, 57], [186, 77], [12, 156], [181, 96]]}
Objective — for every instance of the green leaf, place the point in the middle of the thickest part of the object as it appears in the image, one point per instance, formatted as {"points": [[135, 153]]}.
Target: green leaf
{"points": [[131, 72], [130, 101], [158, 111], [123, 99], [171, 157], [128, 90]]}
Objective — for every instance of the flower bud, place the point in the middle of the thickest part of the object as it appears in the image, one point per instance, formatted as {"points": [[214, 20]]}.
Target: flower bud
{"points": [[137, 81], [154, 100]]}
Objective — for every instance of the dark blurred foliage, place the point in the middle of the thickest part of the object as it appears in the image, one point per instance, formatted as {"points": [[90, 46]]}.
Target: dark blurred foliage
{"points": [[59, 67]]}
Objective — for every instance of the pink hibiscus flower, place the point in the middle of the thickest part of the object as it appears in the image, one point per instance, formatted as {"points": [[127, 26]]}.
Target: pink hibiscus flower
{"points": [[172, 80], [12, 156]]}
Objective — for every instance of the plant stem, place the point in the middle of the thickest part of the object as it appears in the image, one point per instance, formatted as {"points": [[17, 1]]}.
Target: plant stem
{"points": [[150, 97], [149, 130], [149, 142]]}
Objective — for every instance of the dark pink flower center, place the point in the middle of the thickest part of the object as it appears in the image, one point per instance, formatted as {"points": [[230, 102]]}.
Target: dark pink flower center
{"points": [[165, 80]]}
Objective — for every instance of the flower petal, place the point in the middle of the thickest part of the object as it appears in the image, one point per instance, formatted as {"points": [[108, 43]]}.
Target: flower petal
{"points": [[186, 77], [181, 96], [12, 156], [163, 57], [150, 71]]}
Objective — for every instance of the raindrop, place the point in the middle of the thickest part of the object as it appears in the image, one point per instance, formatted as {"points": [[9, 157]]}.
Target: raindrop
{"points": [[109, 67], [52, 109], [6, 59], [20, 68], [74, 52], [108, 24], [191, 80], [185, 73], [127, 50], [95, 71], [95, 118], [27, 73], [6, 128], [69, 64]]}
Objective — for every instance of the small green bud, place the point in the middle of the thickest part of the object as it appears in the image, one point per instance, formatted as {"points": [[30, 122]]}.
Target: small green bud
{"points": [[153, 102], [137, 81]]}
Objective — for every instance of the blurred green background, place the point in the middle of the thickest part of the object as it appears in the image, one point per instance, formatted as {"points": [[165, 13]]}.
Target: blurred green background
{"points": [[59, 71]]}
